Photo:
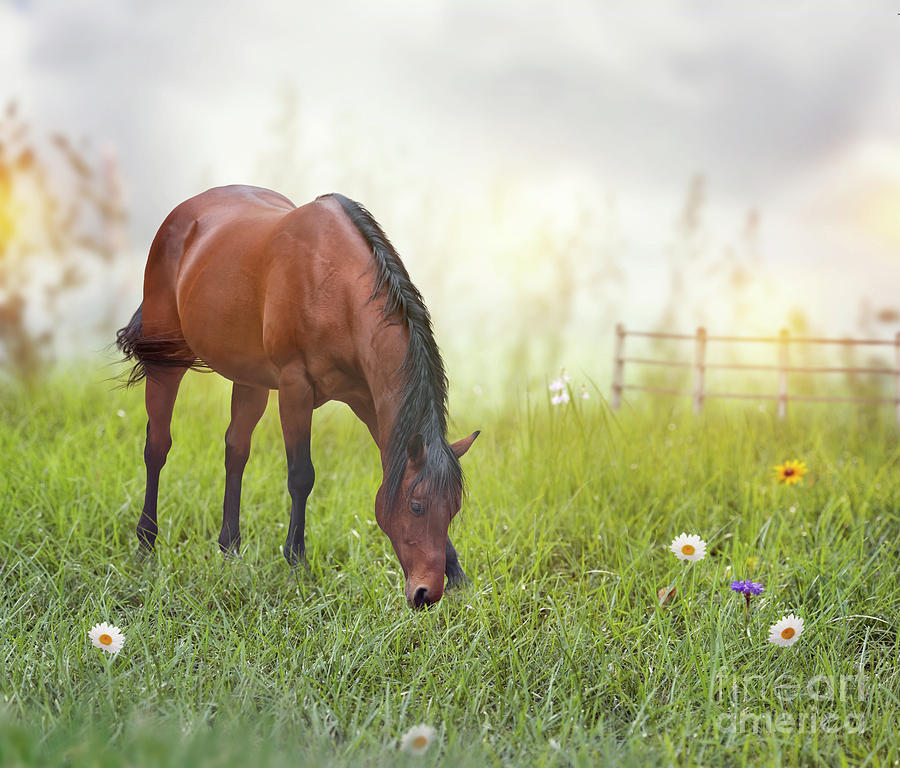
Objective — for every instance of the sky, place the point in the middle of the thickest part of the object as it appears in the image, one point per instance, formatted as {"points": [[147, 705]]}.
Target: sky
{"points": [[503, 145]]}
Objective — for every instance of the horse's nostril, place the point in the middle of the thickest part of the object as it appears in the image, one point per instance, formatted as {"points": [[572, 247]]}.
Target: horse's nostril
{"points": [[420, 598]]}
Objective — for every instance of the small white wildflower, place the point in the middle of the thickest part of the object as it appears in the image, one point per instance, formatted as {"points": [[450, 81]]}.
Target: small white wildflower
{"points": [[562, 397], [107, 637], [120, 413], [786, 631], [686, 547], [417, 739], [557, 385]]}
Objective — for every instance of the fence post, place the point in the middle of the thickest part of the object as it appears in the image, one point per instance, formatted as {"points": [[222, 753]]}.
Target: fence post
{"points": [[783, 337], [699, 368], [897, 376], [618, 368]]}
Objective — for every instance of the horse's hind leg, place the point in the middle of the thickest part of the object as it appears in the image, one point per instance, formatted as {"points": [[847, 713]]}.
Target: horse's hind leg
{"points": [[161, 391], [247, 407]]}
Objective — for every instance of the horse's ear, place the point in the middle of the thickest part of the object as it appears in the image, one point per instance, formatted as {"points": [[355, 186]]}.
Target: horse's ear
{"points": [[461, 446], [415, 450]]}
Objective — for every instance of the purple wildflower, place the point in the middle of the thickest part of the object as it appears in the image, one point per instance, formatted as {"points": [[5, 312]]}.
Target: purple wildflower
{"points": [[747, 587]]}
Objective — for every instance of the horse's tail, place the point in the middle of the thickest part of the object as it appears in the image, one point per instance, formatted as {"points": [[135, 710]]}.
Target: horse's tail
{"points": [[151, 352]]}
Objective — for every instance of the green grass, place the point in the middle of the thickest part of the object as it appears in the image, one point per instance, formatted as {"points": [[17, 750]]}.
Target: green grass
{"points": [[564, 534]]}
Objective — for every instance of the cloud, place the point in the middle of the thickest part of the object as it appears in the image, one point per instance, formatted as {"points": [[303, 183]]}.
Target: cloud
{"points": [[647, 99], [432, 101], [13, 44]]}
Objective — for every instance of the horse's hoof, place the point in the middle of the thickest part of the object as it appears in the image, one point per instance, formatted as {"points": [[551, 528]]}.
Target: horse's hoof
{"points": [[300, 569], [144, 554], [230, 555], [296, 558]]}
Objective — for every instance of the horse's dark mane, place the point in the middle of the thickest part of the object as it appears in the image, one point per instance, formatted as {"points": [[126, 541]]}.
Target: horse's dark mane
{"points": [[423, 409]]}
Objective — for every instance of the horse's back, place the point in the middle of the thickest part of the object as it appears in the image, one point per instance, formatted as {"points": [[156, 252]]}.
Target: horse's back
{"points": [[208, 213], [249, 280], [199, 216]]}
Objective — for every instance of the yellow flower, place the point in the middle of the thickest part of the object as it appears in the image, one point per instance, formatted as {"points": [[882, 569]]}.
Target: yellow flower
{"points": [[791, 472]]}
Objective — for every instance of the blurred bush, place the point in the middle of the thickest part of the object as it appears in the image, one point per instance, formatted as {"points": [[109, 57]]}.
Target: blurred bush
{"points": [[62, 218]]}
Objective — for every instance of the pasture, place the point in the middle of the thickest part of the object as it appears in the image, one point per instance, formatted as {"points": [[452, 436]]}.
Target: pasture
{"points": [[557, 655]]}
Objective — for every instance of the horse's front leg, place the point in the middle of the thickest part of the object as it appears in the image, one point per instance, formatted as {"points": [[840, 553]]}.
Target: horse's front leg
{"points": [[295, 405], [456, 577], [247, 407]]}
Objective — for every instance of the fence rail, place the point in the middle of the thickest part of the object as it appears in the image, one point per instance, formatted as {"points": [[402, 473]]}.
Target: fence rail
{"points": [[784, 340], [769, 339]]}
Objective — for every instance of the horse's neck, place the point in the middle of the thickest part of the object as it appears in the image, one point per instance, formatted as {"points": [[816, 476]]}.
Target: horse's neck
{"points": [[382, 393]]}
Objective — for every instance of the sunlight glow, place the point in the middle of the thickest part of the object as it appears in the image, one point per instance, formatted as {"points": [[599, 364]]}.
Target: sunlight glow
{"points": [[877, 196], [879, 214]]}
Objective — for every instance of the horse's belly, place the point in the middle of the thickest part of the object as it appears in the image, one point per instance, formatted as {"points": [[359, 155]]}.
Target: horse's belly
{"points": [[230, 351]]}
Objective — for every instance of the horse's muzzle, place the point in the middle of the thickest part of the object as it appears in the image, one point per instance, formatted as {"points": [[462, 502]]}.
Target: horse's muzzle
{"points": [[422, 597]]}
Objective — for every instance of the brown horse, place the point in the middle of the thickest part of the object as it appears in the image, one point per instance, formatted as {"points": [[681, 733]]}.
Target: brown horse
{"points": [[314, 302]]}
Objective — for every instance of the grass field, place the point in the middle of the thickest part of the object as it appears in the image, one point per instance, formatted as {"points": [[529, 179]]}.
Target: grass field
{"points": [[557, 655]]}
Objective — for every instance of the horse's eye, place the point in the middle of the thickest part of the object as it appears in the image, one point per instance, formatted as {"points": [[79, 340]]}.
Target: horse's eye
{"points": [[417, 507]]}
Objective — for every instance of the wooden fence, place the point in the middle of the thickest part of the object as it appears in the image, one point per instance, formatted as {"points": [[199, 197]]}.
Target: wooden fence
{"points": [[783, 341]]}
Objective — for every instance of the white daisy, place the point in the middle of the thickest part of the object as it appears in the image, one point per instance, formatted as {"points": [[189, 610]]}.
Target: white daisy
{"points": [[562, 397], [786, 631], [417, 739], [107, 637], [686, 547]]}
